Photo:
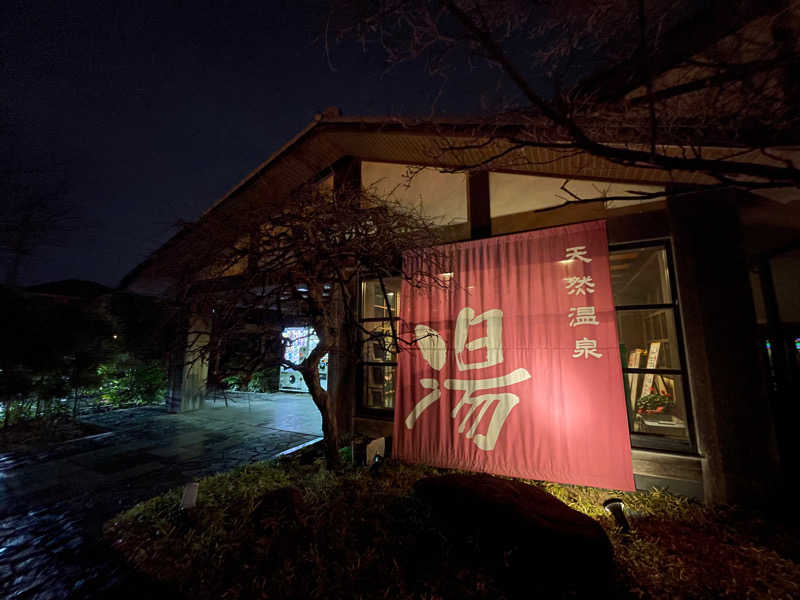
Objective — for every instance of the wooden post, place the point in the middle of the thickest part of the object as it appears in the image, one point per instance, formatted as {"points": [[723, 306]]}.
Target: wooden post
{"points": [[735, 431], [480, 222]]}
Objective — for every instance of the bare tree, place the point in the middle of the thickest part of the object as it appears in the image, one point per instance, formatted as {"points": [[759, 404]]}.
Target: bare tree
{"points": [[32, 216], [679, 86], [298, 261]]}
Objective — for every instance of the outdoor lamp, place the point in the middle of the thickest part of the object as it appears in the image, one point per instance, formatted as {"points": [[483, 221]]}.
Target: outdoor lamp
{"points": [[615, 507]]}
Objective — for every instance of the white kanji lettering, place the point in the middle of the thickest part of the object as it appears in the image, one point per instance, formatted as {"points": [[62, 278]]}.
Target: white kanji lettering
{"points": [[586, 348], [492, 341], [582, 315], [580, 286], [505, 402], [419, 407], [578, 252], [432, 346], [478, 394]]}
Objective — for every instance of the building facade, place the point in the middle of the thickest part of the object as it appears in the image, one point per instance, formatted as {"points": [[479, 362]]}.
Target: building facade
{"points": [[693, 277]]}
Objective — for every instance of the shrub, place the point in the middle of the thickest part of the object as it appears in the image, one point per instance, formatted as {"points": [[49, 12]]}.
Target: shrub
{"points": [[128, 381]]}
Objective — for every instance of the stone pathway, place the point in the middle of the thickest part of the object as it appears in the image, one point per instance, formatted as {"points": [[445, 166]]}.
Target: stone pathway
{"points": [[53, 503]]}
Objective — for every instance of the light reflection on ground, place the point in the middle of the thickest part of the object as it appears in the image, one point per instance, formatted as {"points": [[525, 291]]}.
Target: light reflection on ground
{"points": [[53, 504]]}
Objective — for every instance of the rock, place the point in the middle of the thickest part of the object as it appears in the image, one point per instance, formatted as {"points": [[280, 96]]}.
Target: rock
{"points": [[284, 504], [277, 533], [538, 544]]}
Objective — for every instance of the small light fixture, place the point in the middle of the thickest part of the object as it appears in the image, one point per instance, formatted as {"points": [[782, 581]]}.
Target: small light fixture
{"points": [[115, 336], [189, 499], [616, 508]]}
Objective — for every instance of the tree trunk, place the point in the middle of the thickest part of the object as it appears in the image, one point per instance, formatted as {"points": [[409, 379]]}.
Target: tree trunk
{"points": [[7, 416], [330, 429], [326, 403], [75, 393]]}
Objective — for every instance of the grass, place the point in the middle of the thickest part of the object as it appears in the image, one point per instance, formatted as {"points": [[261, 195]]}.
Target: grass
{"points": [[358, 536]]}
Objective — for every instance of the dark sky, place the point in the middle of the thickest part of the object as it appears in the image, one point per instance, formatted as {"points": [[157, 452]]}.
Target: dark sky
{"points": [[148, 114]]}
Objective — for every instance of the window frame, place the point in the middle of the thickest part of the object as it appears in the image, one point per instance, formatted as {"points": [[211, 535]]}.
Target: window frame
{"points": [[641, 441], [362, 410], [645, 441]]}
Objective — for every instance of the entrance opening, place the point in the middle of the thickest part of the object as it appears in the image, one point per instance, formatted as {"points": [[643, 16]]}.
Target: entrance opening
{"points": [[298, 342]]}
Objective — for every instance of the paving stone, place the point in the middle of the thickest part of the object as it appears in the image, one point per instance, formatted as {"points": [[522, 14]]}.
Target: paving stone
{"points": [[17, 540], [52, 512]]}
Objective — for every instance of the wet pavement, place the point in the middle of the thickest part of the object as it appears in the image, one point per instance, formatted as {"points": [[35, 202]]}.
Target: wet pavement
{"points": [[53, 503]]}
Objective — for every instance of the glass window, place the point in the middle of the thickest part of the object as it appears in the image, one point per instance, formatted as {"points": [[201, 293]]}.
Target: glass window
{"points": [[652, 333], [649, 337], [374, 305], [660, 407], [649, 345], [379, 387], [439, 196], [379, 341], [640, 276], [379, 353]]}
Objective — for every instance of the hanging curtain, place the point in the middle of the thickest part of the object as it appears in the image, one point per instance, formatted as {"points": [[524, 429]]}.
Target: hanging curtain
{"points": [[515, 366]]}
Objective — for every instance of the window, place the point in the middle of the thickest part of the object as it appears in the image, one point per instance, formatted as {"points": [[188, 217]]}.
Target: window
{"points": [[439, 196], [650, 345], [654, 374], [379, 351]]}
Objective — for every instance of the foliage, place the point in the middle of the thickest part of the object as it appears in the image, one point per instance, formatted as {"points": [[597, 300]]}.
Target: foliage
{"points": [[654, 401], [58, 354], [143, 325], [360, 535], [50, 349], [128, 381], [261, 381], [233, 383]]}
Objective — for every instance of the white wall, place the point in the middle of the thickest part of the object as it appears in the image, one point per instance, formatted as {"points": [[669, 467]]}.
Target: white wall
{"points": [[440, 196], [512, 194]]}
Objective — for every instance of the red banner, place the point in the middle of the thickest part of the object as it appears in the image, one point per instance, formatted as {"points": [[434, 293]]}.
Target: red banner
{"points": [[515, 369]]}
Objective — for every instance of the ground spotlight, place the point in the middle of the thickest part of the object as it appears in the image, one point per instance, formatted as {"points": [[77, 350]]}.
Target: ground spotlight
{"points": [[616, 508]]}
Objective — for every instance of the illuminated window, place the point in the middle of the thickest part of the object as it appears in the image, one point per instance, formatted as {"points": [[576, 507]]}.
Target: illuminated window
{"points": [[650, 344], [378, 313], [649, 336]]}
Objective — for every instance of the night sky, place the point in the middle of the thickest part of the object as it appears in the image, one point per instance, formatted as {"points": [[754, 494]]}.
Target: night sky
{"points": [[147, 115]]}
